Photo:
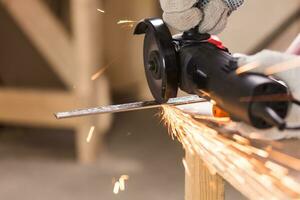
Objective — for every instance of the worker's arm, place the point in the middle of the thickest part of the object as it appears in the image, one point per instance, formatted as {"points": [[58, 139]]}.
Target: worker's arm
{"points": [[284, 67], [210, 15]]}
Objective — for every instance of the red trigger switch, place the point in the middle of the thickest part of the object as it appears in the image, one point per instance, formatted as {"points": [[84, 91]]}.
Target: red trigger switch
{"points": [[217, 42]]}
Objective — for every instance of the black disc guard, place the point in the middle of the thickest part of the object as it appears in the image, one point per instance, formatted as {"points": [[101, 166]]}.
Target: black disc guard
{"points": [[160, 62]]}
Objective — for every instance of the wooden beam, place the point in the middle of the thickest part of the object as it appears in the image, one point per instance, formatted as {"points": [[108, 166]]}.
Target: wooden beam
{"points": [[88, 44], [36, 107], [47, 34], [284, 40], [282, 35], [244, 31], [129, 58], [200, 183]]}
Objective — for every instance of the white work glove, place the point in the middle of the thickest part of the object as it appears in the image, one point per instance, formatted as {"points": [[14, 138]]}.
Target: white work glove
{"points": [[275, 62], [210, 15]]}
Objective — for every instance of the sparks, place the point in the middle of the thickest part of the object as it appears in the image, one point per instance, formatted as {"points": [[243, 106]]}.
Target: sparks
{"points": [[278, 170], [186, 167], [234, 157], [116, 187], [247, 67], [119, 185], [90, 135], [241, 139], [102, 11], [271, 70], [125, 21], [122, 180], [285, 159], [98, 73], [283, 66]]}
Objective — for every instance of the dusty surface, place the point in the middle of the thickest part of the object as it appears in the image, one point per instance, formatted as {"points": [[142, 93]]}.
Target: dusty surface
{"points": [[40, 164]]}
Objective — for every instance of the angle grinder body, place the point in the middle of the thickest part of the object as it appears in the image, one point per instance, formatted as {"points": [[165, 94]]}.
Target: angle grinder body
{"points": [[198, 64]]}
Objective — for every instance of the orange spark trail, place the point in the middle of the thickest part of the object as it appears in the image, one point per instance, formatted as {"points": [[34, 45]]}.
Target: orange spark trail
{"points": [[119, 185], [99, 73], [116, 187], [284, 66], [271, 70], [186, 167], [127, 23], [122, 180], [246, 68], [255, 171], [90, 135], [102, 11]]}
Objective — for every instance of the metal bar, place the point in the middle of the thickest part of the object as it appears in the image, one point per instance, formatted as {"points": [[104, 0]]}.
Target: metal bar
{"points": [[127, 107]]}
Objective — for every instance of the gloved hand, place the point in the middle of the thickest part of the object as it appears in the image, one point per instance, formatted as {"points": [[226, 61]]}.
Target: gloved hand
{"points": [[210, 15], [284, 67]]}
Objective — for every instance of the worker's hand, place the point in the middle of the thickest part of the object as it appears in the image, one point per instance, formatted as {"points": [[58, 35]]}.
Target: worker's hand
{"points": [[210, 15], [284, 67]]}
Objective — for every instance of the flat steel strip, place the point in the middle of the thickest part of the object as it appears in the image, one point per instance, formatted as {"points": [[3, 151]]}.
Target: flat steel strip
{"points": [[128, 107]]}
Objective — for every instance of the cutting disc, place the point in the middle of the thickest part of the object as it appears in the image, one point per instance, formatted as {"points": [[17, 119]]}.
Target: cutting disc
{"points": [[160, 63]]}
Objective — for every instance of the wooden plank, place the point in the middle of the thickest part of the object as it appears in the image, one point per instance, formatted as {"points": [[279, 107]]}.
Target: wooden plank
{"points": [[189, 176], [201, 184], [47, 35], [36, 107]]}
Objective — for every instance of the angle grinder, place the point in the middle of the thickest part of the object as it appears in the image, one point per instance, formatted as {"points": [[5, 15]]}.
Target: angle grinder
{"points": [[198, 64]]}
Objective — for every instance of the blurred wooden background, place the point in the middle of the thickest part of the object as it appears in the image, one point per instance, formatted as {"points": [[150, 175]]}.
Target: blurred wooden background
{"points": [[51, 48]]}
